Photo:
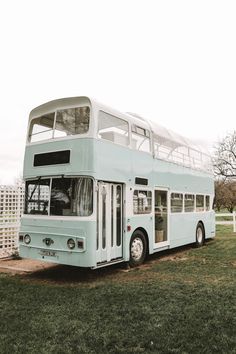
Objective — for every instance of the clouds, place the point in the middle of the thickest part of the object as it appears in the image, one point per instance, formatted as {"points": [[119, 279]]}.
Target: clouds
{"points": [[172, 62]]}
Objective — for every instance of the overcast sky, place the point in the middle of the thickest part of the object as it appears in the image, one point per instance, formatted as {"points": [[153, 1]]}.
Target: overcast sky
{"points": [[173, 62]]}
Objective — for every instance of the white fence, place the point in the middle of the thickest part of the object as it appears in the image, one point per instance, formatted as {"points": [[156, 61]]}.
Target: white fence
{"points": [[227, 222], [11, 207]]}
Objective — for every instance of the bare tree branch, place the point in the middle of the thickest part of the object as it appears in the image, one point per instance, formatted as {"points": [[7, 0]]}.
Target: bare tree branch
{"points": [[224, 160]]}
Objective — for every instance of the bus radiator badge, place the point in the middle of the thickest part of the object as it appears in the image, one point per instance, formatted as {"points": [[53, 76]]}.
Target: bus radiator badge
{"points": [[48, 241]]}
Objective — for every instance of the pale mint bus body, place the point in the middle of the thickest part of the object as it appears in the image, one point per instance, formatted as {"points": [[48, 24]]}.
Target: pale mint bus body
{"points": [[104, 187]]}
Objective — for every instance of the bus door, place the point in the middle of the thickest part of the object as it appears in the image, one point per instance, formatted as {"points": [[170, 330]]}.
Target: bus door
{"points": [[109, 221], [161, 218]]}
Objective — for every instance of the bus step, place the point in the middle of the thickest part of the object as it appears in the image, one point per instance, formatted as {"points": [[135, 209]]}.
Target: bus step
{"points": [[105, 264]]}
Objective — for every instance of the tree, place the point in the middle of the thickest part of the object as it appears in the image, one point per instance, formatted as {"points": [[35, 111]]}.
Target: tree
{"points": [[225, 157], [219, 200], [225, 195], [230, 197]]}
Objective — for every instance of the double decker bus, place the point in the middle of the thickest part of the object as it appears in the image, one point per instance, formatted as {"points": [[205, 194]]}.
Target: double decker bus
{"points": [[103, 187]]}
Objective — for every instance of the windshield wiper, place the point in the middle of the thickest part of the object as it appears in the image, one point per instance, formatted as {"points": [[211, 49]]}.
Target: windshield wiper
{"points": [[32, 193]]}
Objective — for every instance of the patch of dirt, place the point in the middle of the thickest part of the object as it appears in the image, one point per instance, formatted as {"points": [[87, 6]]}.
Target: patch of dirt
{"points": [[174, 258], [47, 273], [35, 271], [22, 266]]}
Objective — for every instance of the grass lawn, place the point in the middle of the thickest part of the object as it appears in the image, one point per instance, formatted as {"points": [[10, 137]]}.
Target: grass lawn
{"points": [[181, 302]]}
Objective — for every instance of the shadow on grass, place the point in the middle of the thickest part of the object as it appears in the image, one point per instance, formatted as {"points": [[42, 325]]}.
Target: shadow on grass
{"points": [[63, 274]]}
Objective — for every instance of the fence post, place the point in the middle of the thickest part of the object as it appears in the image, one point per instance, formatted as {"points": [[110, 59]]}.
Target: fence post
{"points": [[234, 220]]}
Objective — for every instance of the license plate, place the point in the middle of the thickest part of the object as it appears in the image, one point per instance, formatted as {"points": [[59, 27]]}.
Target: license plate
{"points": [[48, 253]]}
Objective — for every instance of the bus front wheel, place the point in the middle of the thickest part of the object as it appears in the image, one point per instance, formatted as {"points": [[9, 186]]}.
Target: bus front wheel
{"points": [[138, 248], [200, 235]]}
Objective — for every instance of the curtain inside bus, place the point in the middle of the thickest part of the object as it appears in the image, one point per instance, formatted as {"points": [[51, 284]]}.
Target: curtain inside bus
{"points": [[65, 196]]}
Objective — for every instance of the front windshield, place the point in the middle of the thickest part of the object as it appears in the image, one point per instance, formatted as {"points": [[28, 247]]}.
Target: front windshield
{"points": [[59, 196], [61, 123]]}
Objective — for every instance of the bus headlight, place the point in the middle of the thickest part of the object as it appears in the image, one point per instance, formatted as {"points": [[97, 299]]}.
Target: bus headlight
{"points": [[27, 239], [71, 243]]}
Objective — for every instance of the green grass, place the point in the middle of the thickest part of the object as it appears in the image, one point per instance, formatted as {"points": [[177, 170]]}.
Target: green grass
{"points": [[181, 302]]}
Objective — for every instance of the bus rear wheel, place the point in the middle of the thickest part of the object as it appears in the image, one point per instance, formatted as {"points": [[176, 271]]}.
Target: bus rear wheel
{"points": [[200, 235], [138, 248]]}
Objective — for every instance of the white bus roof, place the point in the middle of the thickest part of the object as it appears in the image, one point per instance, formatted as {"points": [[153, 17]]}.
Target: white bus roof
{"points": [[169, 143], [171, 138]]}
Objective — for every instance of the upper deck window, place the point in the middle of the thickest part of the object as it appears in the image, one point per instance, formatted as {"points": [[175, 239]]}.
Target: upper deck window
{"points": [[113, 129], [140, 139], [70, 121], [41, 128]]}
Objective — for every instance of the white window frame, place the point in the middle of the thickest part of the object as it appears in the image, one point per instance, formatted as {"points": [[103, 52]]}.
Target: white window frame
{"points": [[204, 209], [146, 134], [116, 117], [141, 190], [177, 212], [194, 203]]}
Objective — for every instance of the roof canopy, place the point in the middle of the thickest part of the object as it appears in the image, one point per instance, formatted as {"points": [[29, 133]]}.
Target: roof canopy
{"points": [[173, 147]]}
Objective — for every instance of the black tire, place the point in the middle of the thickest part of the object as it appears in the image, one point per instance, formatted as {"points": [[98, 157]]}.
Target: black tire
{"points": [[137, 248], [200, 235]]}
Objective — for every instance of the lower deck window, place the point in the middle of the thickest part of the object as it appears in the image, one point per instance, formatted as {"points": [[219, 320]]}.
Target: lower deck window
{"points": [[189, 203], [199, 202], [142, 202], [207, 202], [59, 196], [176, 202]]}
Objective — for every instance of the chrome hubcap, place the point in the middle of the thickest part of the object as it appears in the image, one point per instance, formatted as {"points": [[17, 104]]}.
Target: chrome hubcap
{"points": [[137, 249], [199, 235]]}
